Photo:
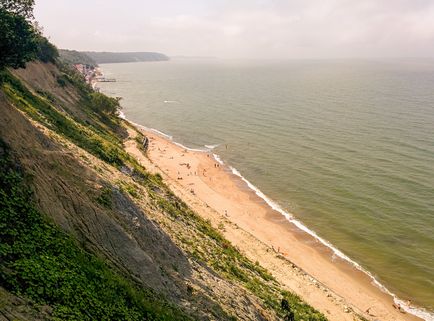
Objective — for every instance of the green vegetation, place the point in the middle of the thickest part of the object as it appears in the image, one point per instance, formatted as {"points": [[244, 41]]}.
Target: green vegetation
{"points": [[40, 109], [104, 104], [209, 246], [74, 57], [46, 51], [17, 40], [41, 262], [20, 39], [128, 188], [100, 142], [23, 8], [105, 198]]}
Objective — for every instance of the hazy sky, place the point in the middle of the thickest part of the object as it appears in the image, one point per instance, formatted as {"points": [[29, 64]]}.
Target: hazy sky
{"points": [[244, 28]]}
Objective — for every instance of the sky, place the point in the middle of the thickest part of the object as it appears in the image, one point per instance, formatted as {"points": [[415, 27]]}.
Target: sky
{"points": [[252, 29]]}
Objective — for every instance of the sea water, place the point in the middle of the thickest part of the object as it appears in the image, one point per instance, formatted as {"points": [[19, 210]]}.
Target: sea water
{"points": [[345, 146]]}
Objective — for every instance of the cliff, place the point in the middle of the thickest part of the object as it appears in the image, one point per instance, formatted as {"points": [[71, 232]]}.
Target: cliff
{"points": [[89, 234]]}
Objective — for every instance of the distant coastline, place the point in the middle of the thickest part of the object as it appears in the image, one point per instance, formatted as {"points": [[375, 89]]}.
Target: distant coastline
{"points": [[121, 57], [93, 58]]}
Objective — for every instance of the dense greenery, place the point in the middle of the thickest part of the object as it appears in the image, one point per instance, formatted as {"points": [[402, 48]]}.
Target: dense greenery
{"points": [[46, 51], [76, 57], [23, 8], [20, 39], [39, 261], [105, 104], [18, 43]]}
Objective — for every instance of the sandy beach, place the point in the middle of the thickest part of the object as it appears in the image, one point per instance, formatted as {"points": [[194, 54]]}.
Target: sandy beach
{"points": [[297, 260]]}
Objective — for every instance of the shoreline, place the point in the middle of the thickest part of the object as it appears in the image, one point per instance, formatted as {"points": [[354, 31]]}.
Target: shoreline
{"points": [[277, 216]]}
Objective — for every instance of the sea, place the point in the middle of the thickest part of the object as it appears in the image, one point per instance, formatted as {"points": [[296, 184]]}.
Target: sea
{"points": [[344, 148]]}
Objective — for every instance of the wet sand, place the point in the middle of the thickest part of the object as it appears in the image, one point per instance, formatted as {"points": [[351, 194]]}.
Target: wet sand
{"points": [[297, 260]]}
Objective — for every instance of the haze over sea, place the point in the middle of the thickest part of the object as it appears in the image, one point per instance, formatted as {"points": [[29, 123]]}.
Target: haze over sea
{"points": [[346, 146]]}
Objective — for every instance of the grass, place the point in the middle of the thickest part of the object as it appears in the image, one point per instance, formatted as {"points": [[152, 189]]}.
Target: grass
{"points": [[105, 146], [208, 245], [128, 188], [105, 197], [40, 262]]}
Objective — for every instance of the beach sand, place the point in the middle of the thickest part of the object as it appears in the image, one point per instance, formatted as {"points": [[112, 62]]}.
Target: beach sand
{"points": [[297, 260]]}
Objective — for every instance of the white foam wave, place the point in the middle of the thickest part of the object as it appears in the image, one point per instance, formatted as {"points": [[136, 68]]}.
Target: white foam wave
{"points": [[212, 146], [190, 149], [218, 159], [170, 101], [156, 131], [121, 115], [419, 312], [160, 133]]}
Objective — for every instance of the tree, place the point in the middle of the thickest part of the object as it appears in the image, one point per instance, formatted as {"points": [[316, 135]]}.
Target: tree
{"points": [[46, 52], [18, 41], [23, 8], [103, 103]]}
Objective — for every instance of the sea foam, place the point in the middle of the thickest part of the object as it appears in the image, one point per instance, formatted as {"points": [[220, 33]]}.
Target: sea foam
{"points": [[419, 312]]}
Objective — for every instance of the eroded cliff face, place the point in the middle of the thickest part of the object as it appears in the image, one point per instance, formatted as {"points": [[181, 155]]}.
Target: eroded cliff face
{"points": [[87, 198], [85, 182]]}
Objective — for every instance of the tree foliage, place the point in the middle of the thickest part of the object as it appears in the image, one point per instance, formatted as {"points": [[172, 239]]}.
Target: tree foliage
{"points": [[46, 52], [18, 42], [20, 39], [101, 102], [23, 8]]}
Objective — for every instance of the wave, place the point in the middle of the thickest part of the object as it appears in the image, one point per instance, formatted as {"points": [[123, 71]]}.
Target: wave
{"points": [[218, 159], [190, 149], [419, 312], [169, 137], [211, 147], [170, 101], [121, 115]]}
